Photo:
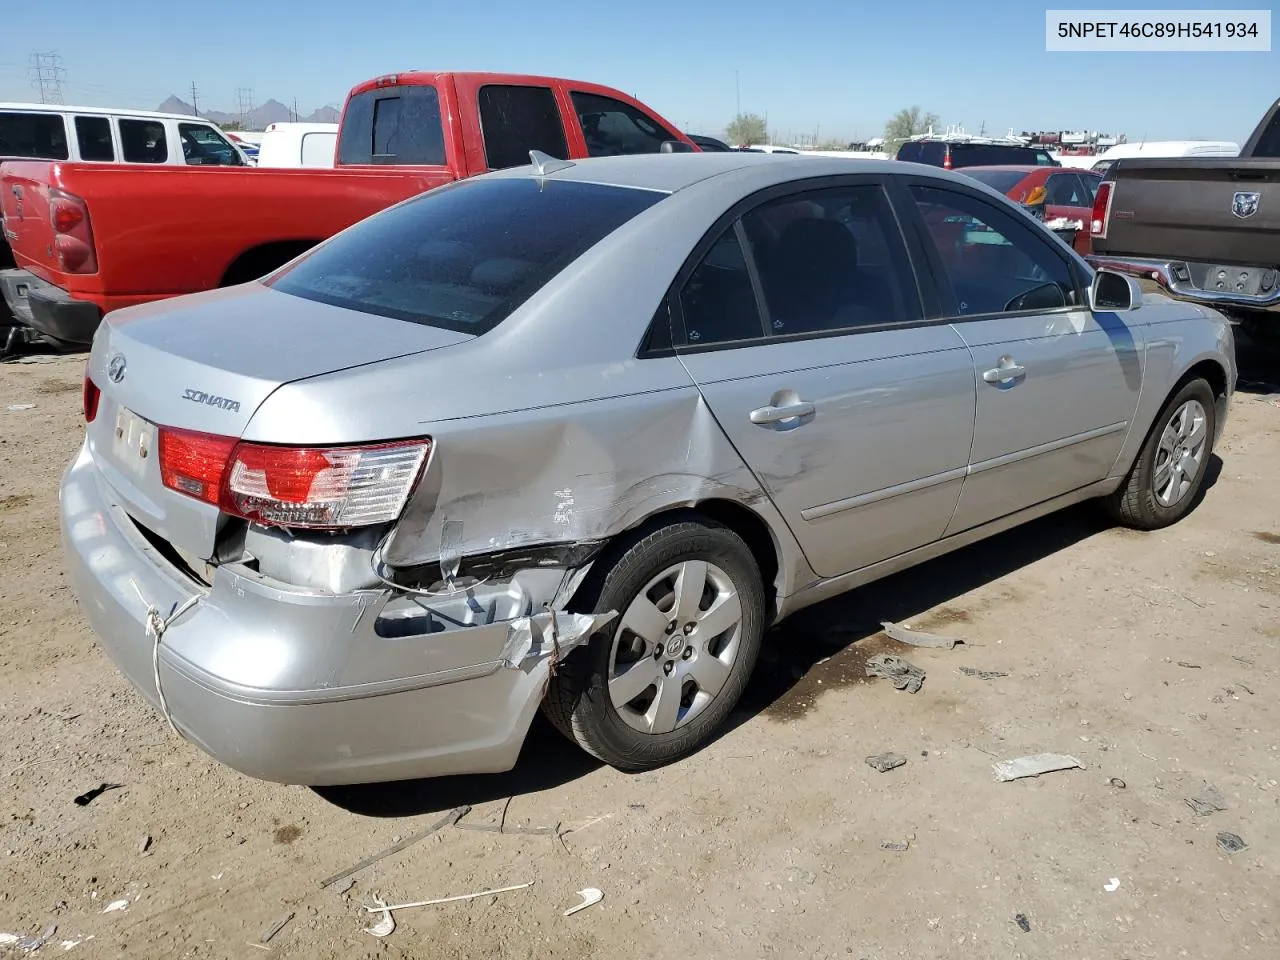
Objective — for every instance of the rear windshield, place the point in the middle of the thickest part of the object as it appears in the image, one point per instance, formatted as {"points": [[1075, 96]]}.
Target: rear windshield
{"points": [[996, 155], [466, 255], [399, 125], [35, 136], [923, 151], [1001, 180]]}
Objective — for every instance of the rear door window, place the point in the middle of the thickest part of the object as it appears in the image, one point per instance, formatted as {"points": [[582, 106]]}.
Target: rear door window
{"points": [[143, 141], [93, 137], [517, 119], [395, 125], [203, 146], [718, 302], [33, 136], [465, 255], [613, 128]]}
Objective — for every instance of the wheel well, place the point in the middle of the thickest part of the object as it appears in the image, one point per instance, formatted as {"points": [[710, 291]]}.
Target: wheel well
{"points": [[259, 261], [1211, 372]]}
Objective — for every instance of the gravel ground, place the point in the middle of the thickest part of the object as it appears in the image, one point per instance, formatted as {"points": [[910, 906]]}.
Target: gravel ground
{"points": [[1153, 659]]}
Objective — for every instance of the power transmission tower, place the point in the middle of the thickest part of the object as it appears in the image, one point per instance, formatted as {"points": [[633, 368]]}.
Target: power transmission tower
{"points": [[244, 96], [195, 103], [46, 76], [295, 109]]}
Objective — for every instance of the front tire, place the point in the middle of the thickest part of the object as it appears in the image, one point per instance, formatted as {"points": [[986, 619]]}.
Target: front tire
{"points": [[1166, 478], [663, 677]]}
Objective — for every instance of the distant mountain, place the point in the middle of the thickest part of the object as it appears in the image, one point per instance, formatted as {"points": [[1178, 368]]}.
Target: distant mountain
{"points": [[273, 111]]}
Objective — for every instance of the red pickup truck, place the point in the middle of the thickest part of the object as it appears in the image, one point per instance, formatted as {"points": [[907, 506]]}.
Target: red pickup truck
{"points": [[91, 238]]}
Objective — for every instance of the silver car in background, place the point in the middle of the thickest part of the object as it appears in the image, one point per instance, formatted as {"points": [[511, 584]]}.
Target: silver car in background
{"points": [[574, 435]]}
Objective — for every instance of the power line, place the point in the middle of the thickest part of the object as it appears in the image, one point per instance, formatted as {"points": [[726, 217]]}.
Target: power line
{"points": [[46, 76]]}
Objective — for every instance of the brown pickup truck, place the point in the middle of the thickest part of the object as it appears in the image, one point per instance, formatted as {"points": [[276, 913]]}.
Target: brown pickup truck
{"points": [[1206, 230]]}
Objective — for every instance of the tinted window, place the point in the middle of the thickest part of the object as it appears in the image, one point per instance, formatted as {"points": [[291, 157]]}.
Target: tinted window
{"points": [[718, 301], [1268, 144], [994, 263], [35, 136], [997, 155], [831, 259], [393, 125], [515, 120], [613, 127], [143, 141], [203, 146], [999, 180], [932, 152], [463, 256], [1090, 182], [93, 136], [1066, 190]]}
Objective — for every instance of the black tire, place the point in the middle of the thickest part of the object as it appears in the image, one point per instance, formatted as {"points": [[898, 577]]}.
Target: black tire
{"points": [[578, 702], [1135, 504]]}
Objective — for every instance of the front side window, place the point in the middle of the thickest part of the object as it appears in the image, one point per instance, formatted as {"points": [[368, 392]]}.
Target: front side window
{"points": [[398, 125], [830, 260], [994, 263], [33, 136], [613, 128], [93, 136], [143, 141], [204, 146], [463, 256], [515, 120], [718, 302]]}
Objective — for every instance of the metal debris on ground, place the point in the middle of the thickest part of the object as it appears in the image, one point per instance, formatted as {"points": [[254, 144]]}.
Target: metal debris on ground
{"points": [[382, 907], [1023, 923], [1034, 766], [29, 943], [452, 817], [1207, 801], [895, 846], [590, 896], [917, 639], [884, 762], [275, 928], [89, 796], [384, 927], [903, 674], [983, 674], [1230, 842]]}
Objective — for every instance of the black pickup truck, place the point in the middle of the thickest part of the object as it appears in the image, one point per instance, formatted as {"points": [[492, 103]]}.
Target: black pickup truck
{"points": [[1206, 230]]}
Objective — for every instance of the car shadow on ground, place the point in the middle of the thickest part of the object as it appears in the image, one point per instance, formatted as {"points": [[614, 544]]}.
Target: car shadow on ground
{"points": [[818, 649]]}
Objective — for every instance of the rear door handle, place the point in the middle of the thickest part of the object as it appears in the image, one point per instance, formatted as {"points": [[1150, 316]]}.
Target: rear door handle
{"points": [[1008, 370], [788, 411]]}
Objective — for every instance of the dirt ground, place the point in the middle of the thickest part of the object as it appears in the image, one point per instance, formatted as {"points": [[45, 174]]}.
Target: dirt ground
{"points": [[1154, 659]]}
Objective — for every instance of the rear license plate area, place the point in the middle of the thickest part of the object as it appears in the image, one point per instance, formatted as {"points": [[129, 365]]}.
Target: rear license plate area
{"points": [[1247, 281], [133, 443]]}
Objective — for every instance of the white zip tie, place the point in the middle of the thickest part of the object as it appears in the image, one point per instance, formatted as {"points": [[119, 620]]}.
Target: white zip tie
{"points": [[156, 625]]}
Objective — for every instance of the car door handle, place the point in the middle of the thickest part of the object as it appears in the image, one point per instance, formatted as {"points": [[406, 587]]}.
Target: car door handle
{"points": [[787, 411], [1004, 372]]}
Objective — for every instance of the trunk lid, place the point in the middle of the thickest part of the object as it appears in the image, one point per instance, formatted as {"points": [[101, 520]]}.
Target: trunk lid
{"points": [[24, 201], [206, 363], [1196, 210]]}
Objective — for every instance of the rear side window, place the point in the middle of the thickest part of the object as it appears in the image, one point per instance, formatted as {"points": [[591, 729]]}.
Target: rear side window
{"points": [[463, 256], [996, 155], [202, 146], [399, 125], [923, 151], [515, 120], [317, 149], [718, 302], [613, 128], [93, 136], [143, 141], [33, 136]]}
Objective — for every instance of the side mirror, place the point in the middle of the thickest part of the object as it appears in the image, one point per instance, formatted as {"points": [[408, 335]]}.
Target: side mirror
{"points": [[677, 146], [1113, 292]]}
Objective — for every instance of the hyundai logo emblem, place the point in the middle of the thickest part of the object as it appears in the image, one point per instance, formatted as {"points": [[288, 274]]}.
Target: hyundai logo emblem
{"points": [[115, 368]]}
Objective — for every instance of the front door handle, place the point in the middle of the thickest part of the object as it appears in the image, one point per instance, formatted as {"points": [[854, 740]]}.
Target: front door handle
{"points": [[786, 411], [1006, 371]]}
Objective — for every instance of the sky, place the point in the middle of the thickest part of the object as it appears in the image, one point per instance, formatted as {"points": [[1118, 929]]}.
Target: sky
{"points": [[839, 70]]}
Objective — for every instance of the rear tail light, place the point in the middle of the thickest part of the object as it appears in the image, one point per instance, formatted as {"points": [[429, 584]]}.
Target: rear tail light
{"points": [[72, 234], [946, 159], [89, 397], [314, 487], [1101, 210]]}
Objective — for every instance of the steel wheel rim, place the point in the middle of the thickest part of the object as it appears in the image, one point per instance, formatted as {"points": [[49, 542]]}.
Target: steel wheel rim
{"points": [[675, 646], [1180, 453]]}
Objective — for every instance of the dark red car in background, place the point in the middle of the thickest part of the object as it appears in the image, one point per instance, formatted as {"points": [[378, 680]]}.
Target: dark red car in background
{"points": [[1069, 192]]}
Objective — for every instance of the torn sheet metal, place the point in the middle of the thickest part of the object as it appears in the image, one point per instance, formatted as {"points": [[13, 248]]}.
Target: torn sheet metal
{"points": [[553, 633], [1035, 765], [903, 674], [917, 639]]}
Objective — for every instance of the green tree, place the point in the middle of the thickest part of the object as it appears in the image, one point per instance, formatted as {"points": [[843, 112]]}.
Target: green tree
{"points": [[746, 128], [907, 122]]}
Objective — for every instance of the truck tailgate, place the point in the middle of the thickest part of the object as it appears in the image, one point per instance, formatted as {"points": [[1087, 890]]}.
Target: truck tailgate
{"points": [[24, 201], [1222, 211]]}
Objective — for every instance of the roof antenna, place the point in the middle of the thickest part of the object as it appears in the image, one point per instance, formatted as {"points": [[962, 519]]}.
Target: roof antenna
{"points": [[544, 164]]}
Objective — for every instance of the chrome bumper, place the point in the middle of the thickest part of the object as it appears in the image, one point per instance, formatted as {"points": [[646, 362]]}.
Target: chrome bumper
{"points": [[1163, 272], [289, 685]]}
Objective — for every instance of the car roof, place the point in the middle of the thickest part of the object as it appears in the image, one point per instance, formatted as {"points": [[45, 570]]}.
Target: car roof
{"points": [[62, 108], [672, 172]]}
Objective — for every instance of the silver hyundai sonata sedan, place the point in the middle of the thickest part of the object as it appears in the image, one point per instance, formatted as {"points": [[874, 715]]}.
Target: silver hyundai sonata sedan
{"points": [[573, 435]]}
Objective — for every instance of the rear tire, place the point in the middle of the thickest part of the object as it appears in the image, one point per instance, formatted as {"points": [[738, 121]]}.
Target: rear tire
{"points": [[1165, 480], [691, 614]]}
